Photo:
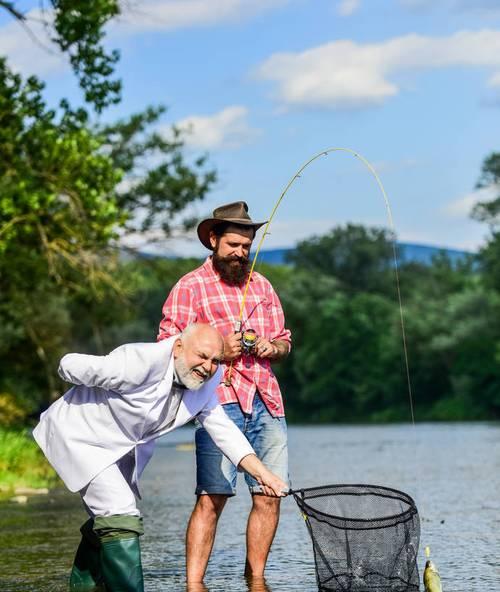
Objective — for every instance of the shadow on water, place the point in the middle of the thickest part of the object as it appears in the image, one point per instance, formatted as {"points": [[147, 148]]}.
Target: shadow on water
{"points": [[451, 470]]}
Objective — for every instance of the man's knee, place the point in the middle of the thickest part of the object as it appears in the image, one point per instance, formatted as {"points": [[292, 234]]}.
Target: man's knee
{"points": [[210, 506], [266, 504]]}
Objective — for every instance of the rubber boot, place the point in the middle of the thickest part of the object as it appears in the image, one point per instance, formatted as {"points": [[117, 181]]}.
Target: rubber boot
{"points": [[120, 552], [86, 572]]}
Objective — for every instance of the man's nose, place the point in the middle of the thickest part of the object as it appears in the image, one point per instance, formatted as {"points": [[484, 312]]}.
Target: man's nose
{"points": [[238, 251], [207, 366]]}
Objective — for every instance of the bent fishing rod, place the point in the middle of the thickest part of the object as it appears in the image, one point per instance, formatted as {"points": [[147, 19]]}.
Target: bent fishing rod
{"points": [[296, 176]]}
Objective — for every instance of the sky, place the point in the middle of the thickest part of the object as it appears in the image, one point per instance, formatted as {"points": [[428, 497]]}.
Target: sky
{"points": [[261, 86]]}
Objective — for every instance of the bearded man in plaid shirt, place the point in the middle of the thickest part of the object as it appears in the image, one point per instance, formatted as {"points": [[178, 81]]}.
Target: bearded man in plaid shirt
{"points": [[249, 392]]}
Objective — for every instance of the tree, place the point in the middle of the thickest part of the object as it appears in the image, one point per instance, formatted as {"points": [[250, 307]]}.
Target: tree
{"points": [[69, 189], [77, 28], [154, 195], [361, 258], [490, 177], [489, 212]]}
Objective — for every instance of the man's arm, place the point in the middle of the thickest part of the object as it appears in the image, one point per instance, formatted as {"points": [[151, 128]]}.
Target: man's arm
{"points": [[125, 368], [226, 436], [270, 483], [236, 447]]}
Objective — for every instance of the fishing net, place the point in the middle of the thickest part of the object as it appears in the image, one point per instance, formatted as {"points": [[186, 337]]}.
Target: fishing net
{"points": [[365, 537]]}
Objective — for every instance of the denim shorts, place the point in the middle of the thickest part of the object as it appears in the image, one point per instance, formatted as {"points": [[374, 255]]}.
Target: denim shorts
{"points": [[266, 434]]}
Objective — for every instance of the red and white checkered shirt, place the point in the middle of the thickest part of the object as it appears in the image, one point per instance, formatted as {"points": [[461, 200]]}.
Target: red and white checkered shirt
{"points": [[201, 296]]}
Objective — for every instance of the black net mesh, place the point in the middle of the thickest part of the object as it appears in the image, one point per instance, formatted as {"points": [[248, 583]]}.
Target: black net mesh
{"points": [[365, 537]]}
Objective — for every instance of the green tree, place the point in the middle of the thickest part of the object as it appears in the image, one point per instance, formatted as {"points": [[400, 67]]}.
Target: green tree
{"points": [[489, 212], [77, 29], [490, 177], [361, 258], [69, 190]]}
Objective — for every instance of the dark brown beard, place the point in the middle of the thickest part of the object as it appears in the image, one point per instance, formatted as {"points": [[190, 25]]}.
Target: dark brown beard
{"points": [[230, 272]]}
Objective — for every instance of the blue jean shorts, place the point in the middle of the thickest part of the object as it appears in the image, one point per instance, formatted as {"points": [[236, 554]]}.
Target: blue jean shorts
{"points": [[215, 474]]}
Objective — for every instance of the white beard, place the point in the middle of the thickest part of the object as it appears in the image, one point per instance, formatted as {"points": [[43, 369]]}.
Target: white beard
{"points": [[185, 375]]}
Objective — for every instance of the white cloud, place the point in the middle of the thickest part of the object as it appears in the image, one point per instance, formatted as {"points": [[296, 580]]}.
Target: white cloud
{"points": [[228, 129], [462, 207], [165, 15], [29, 49], [348, 7], [345, 74]]}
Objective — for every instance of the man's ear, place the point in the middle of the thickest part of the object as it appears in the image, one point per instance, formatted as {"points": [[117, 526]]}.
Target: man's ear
{"points": [[177, 349], [213, 239]]}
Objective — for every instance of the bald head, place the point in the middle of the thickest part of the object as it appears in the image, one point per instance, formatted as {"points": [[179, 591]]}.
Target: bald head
{"points": [[202, 332], [197, 354]]}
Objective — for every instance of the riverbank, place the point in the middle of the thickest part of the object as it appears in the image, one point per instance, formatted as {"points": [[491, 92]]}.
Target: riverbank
{"points": [[23, 468]]}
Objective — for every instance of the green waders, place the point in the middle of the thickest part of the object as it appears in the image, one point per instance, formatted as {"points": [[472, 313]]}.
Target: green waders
{"points": [[86, 573], [119, 556]]}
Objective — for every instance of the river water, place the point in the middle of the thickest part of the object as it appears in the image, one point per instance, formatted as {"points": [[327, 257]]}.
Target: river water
{"points": [[451, 470]]}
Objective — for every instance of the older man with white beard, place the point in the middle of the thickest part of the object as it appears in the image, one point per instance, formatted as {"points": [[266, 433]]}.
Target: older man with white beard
{"points": [[100, 435]]}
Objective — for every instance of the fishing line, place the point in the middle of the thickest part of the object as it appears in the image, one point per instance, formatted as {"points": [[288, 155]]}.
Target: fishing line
{"points": [[394, 252]]}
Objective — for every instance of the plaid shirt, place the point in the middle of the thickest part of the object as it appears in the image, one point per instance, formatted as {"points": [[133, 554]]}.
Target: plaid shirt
{"points": [[201, 296]]}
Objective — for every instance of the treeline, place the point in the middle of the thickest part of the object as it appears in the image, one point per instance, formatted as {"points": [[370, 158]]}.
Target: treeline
{"points": [[340, 299], [348, 360]]}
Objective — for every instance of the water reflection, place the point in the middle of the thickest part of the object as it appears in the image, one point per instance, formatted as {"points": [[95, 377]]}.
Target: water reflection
{"points": [[252, 585], [198, 587], [257, 584]]}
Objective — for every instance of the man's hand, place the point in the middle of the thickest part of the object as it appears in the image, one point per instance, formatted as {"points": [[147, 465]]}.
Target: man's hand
{"points": [[232, 346], [264, 348], [271, 484], [274, 350]]}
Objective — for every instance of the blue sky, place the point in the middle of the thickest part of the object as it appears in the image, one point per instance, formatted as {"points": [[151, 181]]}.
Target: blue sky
{"points": [[412, 85]]}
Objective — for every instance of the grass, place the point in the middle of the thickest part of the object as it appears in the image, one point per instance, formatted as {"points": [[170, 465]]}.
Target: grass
{"points": [[22, 463]]}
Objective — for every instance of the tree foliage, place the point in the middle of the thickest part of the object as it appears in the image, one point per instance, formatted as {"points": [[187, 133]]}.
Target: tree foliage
{"points": [[69, 190], [360, 257], [154, 195], [57, 187], [489, 211], [77, 28]]}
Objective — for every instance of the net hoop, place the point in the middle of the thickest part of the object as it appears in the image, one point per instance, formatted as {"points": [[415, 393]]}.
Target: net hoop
{"points": [[302, 497]]}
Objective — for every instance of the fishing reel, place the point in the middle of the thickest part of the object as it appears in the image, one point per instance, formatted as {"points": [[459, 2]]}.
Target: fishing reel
{"points": [[248, 341]]}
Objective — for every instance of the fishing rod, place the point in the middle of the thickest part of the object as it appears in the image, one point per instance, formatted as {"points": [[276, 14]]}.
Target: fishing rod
{"points": [[296, 176]]}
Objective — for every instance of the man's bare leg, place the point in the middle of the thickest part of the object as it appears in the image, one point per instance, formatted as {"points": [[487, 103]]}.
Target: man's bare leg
{"points": [[261, 528], [200, 535]]}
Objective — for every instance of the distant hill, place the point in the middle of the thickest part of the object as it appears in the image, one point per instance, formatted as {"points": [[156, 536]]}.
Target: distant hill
{"points": [[407, 252]]}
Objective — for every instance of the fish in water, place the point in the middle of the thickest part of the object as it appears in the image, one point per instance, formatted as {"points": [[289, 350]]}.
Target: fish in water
{"points": [[432, 581]]}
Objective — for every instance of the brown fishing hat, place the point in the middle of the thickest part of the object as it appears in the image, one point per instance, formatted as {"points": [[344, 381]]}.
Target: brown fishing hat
{"points": [[234, 213]]}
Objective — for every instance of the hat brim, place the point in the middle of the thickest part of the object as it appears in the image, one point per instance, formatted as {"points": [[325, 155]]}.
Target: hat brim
{"points": [[205, 226]]}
